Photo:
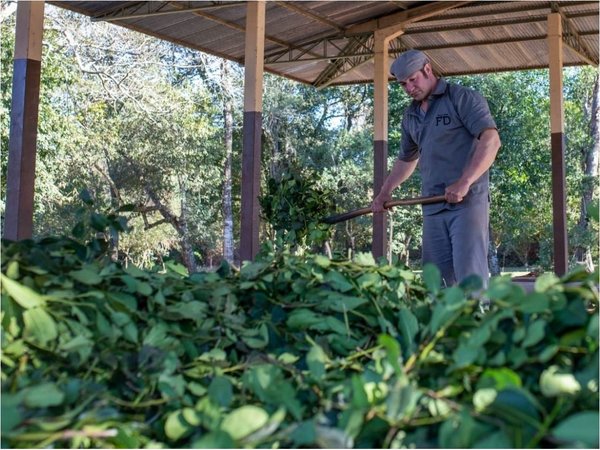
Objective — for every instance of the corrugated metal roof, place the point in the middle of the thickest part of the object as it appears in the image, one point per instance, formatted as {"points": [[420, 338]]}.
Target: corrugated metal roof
{"points": [[331, 42]]}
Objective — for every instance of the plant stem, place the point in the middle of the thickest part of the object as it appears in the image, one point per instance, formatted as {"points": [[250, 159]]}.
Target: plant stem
{"points": [[428, 347], [546, 425]]}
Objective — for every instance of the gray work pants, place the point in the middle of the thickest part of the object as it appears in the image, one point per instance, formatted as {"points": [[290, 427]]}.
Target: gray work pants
{"points": [[457, 242]]}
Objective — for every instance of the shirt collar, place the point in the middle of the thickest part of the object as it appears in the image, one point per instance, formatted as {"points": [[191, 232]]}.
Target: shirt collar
{"points": [[439, 90]]}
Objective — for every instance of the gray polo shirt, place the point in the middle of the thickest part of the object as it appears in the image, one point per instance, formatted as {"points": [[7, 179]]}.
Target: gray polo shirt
{"points": [[444, 140]]}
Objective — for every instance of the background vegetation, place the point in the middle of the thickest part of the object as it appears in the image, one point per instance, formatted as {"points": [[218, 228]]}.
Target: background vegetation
{"points": [[141, 122]]}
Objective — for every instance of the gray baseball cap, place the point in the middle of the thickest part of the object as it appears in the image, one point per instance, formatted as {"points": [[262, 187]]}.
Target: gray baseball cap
{"points": [[408, 63]]}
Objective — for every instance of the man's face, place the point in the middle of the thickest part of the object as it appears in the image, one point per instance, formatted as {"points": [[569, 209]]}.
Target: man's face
{"points": [[419, 84]]}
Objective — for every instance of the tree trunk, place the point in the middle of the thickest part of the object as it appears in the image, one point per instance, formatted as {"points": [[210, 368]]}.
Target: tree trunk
{"points": [[590, 162], [493, 255], [390, 238], [228, 243], [351, 239], [179, 223], [115, 202], [187, 250]]}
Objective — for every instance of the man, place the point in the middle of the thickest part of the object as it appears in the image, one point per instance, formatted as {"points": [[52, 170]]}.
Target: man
{"points": [[449, 132]]}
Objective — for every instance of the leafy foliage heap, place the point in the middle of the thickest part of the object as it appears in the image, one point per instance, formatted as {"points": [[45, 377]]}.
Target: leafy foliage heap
{"points": [[293, 205], [289, 351]]}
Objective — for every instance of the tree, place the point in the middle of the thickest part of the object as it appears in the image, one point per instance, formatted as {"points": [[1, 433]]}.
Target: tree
{"points": [[583, 129]]}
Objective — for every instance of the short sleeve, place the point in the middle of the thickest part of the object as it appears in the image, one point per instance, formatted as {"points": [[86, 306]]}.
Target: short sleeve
{"points": [[473, 110], [409, 150]]}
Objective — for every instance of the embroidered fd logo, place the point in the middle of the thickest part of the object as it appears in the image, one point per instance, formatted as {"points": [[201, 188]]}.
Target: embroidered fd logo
{"points": [[444, 119]]}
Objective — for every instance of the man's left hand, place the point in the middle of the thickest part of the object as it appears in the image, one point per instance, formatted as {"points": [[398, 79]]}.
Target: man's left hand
{"points": [[456, 192]]}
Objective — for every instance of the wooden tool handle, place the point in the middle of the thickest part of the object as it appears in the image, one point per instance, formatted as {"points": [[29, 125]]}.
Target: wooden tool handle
{"points": [[387, 205]]}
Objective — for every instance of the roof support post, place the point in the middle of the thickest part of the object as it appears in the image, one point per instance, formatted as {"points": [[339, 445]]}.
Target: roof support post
{"points": [[380, 133], [251, 147], [22, 142], [559, 200]]}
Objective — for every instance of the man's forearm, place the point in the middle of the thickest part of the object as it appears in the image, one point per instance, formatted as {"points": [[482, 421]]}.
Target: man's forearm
{"points": [[482, 160], [399, 173], [483, 157]]}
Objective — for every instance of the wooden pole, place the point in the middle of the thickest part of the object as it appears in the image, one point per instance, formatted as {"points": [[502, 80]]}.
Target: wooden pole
{"points": [[251, 152], [380, 133], [559, 198], [20, 178]]}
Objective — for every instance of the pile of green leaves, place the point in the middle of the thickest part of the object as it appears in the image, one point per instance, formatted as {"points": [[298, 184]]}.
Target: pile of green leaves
{"points": [[293, 204], [289, 351]]}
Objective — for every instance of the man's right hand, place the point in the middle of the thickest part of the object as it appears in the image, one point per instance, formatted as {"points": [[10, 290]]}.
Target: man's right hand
{"points": [[379, 201]]}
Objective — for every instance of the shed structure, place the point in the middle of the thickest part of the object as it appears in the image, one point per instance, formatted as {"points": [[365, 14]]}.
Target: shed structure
{"points": [[323, 43]]}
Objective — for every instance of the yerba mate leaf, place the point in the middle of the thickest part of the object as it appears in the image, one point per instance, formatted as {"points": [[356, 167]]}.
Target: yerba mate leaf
{"points": [[546, 281], [220, 391], [535, 302], [392, 351], [11, 411], [498, 439], [87, 275], [304, 434], [340, 303], [499, 379], [301, 319], [39, 326], [122, 301], [408, 326], [43, 395], [535, 333], [338, 281], [368, 279], [322, 261], [316, 359], [432, 278], [176, 426], [364, 259], [23, 295], [12, 270], [244, 421], [581, 427], [214, 439], [464, 355]]}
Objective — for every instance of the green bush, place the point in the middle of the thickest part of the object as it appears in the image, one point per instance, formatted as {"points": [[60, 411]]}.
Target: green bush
{"points": [[289, 351]]}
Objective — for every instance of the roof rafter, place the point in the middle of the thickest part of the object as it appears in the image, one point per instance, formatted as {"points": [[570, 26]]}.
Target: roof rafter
{"points": [[151, 9], [400, 47], [326, 44], [242, 28], [573, 40], [481, 24], [338, 67], [507, 8], [311, 15], [406, 17]]}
